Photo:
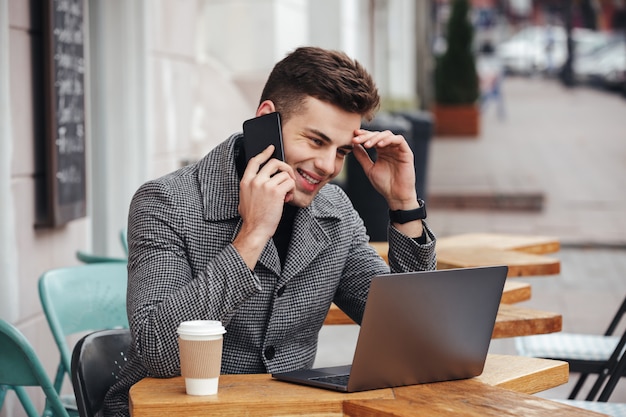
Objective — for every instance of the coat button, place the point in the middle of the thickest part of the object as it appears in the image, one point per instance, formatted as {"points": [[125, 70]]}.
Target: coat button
{"points": [[269, 353], [281, 290]]}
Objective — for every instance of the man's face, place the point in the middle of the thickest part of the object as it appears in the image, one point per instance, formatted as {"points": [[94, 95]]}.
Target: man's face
{"points": [[316, 142]]}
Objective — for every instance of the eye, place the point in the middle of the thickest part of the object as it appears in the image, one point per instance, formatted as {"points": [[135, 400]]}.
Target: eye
{"points": [[316, 141], [342, 153]]}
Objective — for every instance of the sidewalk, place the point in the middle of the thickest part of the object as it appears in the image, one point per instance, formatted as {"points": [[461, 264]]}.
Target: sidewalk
{"points": [[568, 145]]}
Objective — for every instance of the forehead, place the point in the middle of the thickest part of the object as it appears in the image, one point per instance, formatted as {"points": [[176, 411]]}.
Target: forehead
{"points": [[317, 116]]}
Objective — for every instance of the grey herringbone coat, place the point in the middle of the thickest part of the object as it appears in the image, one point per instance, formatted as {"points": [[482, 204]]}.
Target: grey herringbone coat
{"points": [[182, 266]]}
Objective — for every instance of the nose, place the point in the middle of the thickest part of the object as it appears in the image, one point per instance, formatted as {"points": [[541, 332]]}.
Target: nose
{"points": [[325, 161]]}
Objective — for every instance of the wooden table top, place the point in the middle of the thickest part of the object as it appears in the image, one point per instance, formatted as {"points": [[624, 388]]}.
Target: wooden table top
{"points": [[504, 385], [524, 255], [473, 400], [514, 292], [514, 321], [511, 321], [539, 245]]}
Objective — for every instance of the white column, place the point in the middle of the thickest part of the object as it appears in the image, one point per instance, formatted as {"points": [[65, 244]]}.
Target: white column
{"points": [[118, 147], [9, 284], [401, 50]]}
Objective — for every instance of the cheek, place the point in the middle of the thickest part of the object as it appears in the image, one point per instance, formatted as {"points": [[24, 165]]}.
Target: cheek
{"points": [[293, 152], [338, 166]]}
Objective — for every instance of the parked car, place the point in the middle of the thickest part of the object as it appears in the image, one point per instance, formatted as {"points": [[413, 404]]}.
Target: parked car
{"points": [[543, 49], [605, 66]]}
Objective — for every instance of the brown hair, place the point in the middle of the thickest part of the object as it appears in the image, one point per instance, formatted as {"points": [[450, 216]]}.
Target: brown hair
{"points": [[329, 76]]}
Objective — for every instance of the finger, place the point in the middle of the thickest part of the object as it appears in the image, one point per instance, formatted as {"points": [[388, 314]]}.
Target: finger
{"points": [[273, 166], [378, 139], [362, 136], [257, 161], [280, 185], [279, 178]]}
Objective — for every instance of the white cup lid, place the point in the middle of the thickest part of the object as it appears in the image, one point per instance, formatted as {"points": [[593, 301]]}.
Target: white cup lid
{"points": [[201, 327]]}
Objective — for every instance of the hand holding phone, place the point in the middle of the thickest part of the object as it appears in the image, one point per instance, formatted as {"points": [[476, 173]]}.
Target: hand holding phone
{"points": [[262, 193], [260, 132]]}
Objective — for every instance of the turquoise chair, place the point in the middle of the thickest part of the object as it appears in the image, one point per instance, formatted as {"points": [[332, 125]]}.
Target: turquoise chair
{"points": [[90, 258], [124, 240], [20, 367], [81, 299]]}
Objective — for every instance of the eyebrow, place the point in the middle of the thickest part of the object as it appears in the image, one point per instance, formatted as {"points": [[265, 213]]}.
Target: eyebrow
{"points": [[325, 138]]}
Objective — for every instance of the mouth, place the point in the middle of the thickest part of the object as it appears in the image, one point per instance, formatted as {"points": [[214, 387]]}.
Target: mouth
{"points": [[309, 179]]}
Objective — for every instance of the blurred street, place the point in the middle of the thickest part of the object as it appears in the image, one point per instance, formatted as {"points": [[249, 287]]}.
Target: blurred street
{"points": [[567, 146]]}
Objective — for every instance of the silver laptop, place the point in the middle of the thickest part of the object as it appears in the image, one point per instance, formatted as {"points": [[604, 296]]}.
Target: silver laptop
{"points": [[418, 327]]}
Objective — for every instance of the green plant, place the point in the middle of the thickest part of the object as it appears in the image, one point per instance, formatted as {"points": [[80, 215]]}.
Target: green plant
{"points": [[456, 80]]}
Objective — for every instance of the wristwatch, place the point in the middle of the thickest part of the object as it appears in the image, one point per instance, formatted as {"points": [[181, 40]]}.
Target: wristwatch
{"points": [[405, 216]]}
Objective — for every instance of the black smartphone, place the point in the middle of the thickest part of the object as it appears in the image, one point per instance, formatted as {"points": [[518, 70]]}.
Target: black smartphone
{"points": [[260, 132]]}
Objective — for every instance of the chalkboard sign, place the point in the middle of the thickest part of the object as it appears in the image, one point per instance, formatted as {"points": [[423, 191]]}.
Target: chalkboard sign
{"points": [[64, 38]]}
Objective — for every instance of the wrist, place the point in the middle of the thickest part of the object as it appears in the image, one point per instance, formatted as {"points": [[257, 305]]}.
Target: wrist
{"points": [[405, 206], [399, 203], [401, 216], [250, 243]]}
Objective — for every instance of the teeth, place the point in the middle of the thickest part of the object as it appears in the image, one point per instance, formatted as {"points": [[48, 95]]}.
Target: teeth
{"points": [[308, 178]]}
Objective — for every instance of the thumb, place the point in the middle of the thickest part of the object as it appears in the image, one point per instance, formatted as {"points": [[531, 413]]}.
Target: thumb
{"points": [[362, 157]]}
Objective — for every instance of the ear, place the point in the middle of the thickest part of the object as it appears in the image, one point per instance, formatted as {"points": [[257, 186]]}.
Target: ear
{"points": [[265, 107]]}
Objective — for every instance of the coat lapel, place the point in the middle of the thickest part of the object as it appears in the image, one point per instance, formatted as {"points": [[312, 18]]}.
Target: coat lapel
{"points": [[269, 257], [221, 197], [309, 237]]}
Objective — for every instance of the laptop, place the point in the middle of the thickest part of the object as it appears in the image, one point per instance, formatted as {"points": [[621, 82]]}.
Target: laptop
{"points": [[418, 327]]}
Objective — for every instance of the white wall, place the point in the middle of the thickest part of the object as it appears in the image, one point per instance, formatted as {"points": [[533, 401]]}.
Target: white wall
{"points": [[26, 252]]}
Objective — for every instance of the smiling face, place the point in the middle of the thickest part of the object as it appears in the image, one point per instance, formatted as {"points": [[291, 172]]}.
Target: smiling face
{"points": [[316, 141]]}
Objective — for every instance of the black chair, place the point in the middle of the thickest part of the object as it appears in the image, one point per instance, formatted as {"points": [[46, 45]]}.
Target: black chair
{"points": [[96, 361], [615, 370], [586, 354]]}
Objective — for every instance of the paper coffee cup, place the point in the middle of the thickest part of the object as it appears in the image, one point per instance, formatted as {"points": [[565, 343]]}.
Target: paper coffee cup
{"points": [[200, 344]]}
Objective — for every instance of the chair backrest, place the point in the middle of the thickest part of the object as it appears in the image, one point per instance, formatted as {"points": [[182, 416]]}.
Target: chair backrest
{"points": [[96, 360], [621, 311], [616, 365], [616, 369], [20, 367], [80, 299], [91, 258], [124, 240]]}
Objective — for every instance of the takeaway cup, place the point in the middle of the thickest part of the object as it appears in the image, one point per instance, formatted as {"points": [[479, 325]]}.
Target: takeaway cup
{"points": [[200, 345]]}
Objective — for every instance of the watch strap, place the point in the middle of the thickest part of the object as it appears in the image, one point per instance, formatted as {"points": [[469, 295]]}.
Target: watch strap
{"points": [[405, 216]]}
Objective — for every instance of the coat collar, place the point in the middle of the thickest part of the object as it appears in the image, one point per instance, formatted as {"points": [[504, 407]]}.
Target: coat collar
{"points": [[219, 182]]}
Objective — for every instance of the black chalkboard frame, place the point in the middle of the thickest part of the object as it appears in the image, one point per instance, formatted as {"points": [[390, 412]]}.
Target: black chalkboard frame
{"points": [[64, 97]]}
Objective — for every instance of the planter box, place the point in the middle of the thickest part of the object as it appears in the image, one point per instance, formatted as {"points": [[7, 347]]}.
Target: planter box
{"points": [[456, 120]]}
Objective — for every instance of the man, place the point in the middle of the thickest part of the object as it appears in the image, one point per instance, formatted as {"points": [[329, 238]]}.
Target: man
{"points": [[267, 246]]}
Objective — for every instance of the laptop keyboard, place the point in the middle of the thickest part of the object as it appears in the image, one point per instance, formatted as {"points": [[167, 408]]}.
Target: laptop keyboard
{"points": [[333, 379]]}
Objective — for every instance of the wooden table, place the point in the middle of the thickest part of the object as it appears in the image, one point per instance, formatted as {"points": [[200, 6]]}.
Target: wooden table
{"points": [[511, 321], [505, 384], [524, 255], [514, 292], [473, 400]]}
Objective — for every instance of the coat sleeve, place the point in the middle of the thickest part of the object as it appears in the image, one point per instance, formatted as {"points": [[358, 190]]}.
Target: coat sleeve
{"points": [[363, 262], [162, 287]]}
